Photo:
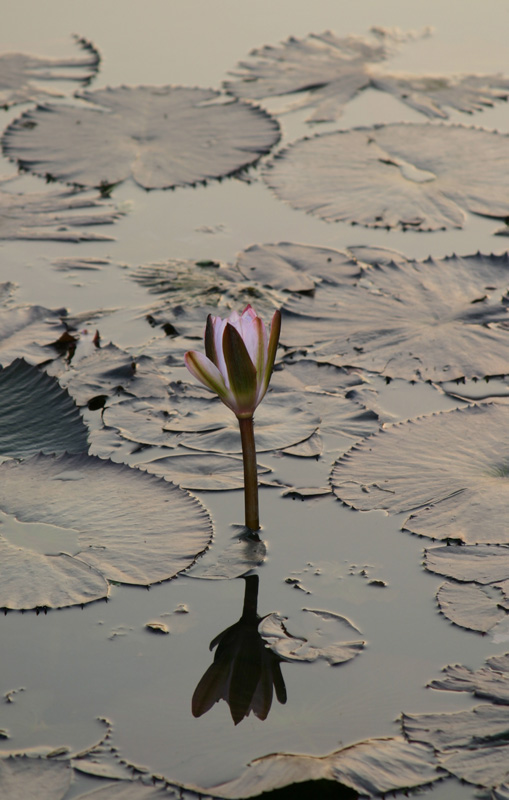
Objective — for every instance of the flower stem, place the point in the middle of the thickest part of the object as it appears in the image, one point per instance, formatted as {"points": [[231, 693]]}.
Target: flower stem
{"points": [[250, 473]]}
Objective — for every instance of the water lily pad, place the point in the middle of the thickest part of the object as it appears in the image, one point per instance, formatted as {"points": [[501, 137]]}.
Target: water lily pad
{"points": [[209, 426], [36, 414], [190, 290], [326, 390], [433, 319], [372, 767], [31, 332], [109, 371], [160, 136], [490, 682], [423, 177], [329, 69], [324, 72], [98, 502], [293, 267], [480, 563], [472, 745], [203, 471], [325, 635], [470, 606], [22, 777], [55, 216], [21, 75], [134, 790], [457, 490]]}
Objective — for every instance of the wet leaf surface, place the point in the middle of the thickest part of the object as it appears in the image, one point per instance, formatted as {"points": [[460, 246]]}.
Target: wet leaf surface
{"points": [[291, 267], [479, 563], [470, 606], [373, 767], [55, 216], [472, 745], [423, 177], [235, 557], [161, 137], [30, 332], [22, 777], [324, 72], [433, 319], [489, 683], [98, 502], [457, 491], [21, 75], [322, 636], [203, 472], [36, 414]]}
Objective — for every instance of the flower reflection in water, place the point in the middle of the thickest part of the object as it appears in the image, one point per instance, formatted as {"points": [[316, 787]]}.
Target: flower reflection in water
{"points": [[245, 672]]}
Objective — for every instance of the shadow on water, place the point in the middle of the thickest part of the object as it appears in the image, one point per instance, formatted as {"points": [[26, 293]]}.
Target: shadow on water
{"points": [[244, 672]]}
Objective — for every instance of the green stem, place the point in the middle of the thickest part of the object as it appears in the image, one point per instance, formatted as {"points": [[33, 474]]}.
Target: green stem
{"points": [[250, 473]]}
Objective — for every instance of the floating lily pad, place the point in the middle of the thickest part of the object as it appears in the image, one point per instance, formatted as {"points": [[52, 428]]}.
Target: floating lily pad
{"points": [[472, 745], [449, 469], [372, 767], [293, 267], [55, 216], [435, 320], [160, 136], [190, 290], [326, 391], [109, 371], [490, 682], [36, 414], [324, 71], [206, 424], [203, 472], [470, 606], [31, 332], [423, 177], [22, 777], [325, 635], [21, 75], [480, 563], [97, 503]]}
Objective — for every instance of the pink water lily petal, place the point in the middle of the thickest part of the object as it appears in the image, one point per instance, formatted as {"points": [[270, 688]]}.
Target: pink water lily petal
{"points": [[205, 371]]}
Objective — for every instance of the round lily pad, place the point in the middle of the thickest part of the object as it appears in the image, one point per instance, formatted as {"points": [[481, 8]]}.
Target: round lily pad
{"points": [[128, 526], [160, 136], [423, 177]]}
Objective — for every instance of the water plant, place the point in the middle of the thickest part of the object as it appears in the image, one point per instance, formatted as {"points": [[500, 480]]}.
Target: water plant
{"points": [[237, 365]]}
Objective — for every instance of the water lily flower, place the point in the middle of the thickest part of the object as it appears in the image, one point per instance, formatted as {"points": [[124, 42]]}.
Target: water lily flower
{"points": [[239, 358], [237, 365]]}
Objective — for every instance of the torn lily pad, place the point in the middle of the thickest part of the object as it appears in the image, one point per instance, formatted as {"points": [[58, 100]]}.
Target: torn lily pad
{"points": [[371, 767], [96, 504], [22, 77], [36, 414], [324, 72], [55, 216], [160, 136], [457, 491], [325, 635], [403, 175], [489, 683], [434, 319]]}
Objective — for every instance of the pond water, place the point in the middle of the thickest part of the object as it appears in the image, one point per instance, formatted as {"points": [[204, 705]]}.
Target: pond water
{"points": [[76, 665]]}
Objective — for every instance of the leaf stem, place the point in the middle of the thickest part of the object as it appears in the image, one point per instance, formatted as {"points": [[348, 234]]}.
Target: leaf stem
{"points": [[252, 518]]}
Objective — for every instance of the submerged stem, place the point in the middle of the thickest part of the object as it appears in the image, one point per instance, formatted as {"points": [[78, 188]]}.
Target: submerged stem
{"points": [[250, 473]]}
